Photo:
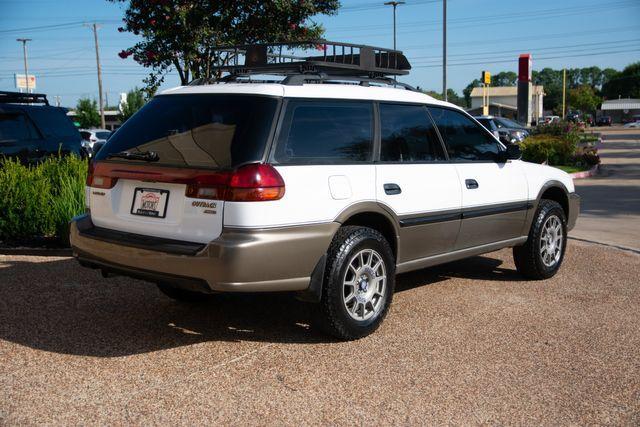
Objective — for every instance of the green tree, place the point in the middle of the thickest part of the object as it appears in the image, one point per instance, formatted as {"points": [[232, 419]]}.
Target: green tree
{"points": [[135, 101], [584, 98], [504, 78], [87, 113], [181, 34], [452, 96], [625, 84], [466, 92]]}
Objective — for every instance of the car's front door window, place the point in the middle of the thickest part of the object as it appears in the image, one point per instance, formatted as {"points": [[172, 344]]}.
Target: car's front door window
{"points": [[465, 140]]}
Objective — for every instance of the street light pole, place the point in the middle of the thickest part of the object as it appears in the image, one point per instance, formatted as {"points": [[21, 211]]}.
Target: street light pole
{"points": [[395, 4], [444, 49], [24, 53]]}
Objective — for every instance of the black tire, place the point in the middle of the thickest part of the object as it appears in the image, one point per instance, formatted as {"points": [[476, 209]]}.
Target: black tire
{"points": [[184, 295], [528, 258], [348, 242]]}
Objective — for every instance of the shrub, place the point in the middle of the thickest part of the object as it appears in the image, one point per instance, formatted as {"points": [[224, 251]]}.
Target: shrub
{"points": [[38, 201], [555, 150]]}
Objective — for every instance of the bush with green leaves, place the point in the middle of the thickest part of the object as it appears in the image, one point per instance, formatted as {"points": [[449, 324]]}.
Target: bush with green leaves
{"points": [[555, 150], [38, 201]]}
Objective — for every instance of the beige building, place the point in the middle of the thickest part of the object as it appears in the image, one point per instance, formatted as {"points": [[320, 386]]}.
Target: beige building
{"points": [[505, 98]]}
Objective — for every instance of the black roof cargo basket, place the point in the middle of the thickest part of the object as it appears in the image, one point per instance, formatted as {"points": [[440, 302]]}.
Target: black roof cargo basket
{"points": [[23, 98], [333, 61]]}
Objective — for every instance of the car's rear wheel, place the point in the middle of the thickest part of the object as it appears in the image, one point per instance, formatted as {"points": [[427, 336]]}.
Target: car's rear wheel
{"points": [[358, 284], [184, 295], [542, 254]]}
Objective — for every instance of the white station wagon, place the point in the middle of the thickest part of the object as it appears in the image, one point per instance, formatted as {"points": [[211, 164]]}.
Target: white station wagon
{"points": [[327, 183]]}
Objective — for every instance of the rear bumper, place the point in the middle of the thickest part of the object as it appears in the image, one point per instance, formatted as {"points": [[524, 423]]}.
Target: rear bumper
{"points": [[240, 260], [574, 210]]}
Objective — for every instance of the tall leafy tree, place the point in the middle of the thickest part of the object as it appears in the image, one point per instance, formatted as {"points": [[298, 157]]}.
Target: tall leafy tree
{"points": [[135, 101], [181, 34], [584, 98], [87, 113], [625, 84]]}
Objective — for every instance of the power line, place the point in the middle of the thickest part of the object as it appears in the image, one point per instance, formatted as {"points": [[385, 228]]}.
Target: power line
{"points": [[526, 49], [537, 59]]}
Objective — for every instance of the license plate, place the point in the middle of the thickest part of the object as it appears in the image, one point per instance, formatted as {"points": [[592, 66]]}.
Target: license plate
{"points": [[150, 202]]}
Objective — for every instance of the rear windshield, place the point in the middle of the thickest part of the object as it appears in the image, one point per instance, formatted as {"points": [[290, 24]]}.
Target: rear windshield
{"points": [[208, 131], [54, 122], [103, 135]]}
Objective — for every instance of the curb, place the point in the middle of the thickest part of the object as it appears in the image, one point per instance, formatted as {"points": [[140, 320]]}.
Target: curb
{"points": [[60, 252], [586, 174]]}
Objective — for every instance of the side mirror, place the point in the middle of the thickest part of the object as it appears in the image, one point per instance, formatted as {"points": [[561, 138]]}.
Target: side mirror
{"points": [[513, 152]]}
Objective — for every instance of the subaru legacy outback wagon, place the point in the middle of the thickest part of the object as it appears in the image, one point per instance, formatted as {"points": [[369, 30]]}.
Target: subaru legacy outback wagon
{"points": [[327, 183]]}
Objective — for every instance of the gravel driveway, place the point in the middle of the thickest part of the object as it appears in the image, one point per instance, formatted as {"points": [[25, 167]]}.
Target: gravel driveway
{"points": [[465, 343]]}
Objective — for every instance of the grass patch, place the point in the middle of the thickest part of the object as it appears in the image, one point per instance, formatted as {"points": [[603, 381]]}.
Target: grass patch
{"points": [[573, 169]]}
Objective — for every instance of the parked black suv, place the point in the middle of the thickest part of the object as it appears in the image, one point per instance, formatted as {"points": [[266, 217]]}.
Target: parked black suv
{"points": [[31, 129]]}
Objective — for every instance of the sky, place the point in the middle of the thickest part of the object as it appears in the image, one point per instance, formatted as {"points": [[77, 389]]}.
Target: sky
{"points": [[481, 35]]}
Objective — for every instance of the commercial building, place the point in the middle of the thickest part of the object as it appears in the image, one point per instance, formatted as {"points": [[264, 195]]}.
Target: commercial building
{"points": [[621, 110], [503, 101]]}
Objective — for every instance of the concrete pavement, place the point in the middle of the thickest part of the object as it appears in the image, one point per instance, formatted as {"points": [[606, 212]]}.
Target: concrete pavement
{"points": [[465, 343], [611, 201]]}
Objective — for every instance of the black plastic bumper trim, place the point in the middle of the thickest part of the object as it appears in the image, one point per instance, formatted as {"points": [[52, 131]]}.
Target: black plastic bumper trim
{"points": [[181, 282], [150, 243]]}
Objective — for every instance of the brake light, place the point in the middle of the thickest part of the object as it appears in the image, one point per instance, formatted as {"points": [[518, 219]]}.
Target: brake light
{"points": [[250, 183], [99, 181], [255, 183]]}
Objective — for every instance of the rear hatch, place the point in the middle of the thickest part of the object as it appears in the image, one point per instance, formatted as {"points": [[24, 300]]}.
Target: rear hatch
{"points": [[166, 171]]}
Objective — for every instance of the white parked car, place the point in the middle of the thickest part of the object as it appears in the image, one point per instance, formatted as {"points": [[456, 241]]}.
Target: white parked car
{"points": [[91, 136], [632, 125], [313, 185]]}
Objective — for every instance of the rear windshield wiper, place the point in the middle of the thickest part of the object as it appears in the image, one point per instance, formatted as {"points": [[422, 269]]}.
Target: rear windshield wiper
{"points": [[147, 156]]}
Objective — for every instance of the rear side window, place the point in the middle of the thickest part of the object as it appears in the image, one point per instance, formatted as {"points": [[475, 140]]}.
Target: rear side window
{"points": [[203, 130], [326, 132], [408, 135], [16, 127], [465, 140], [54, 122]]}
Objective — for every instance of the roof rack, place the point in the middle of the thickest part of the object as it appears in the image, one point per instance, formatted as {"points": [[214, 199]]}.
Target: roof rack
{"points": [[338, 62], [23, 98]]}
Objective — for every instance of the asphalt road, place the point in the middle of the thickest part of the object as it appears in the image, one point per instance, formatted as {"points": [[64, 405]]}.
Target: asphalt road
{"points": [[466, 343], [611, 201]]}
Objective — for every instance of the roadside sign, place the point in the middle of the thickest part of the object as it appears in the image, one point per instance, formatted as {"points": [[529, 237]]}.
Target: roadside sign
{"points": [[486, 77], [21, 82]]}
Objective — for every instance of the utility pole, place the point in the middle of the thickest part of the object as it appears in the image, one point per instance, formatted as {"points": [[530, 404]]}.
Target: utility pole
{"points": [[564, 92], [95, 38], [444, 49], [24, 53]]}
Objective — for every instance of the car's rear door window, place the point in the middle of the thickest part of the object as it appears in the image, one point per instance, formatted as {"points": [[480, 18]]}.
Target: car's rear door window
{"points": [[16, 127], [326, 131], [408, 134], [198, 130], [465, 139]]}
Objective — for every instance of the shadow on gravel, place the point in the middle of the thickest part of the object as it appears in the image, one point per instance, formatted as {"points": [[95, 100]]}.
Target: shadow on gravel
{"points": [[57, 306]]}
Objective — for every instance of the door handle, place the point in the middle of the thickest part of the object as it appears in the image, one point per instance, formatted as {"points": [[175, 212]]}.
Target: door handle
{"points": [[392, 189], [471, 184]]}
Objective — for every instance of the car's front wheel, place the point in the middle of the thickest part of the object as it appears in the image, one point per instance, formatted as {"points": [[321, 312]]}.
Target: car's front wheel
{"points": [[358, 284], [542, 254]]}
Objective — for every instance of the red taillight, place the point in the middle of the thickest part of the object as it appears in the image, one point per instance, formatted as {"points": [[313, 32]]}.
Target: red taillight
{"points": [[255, 183], [100, 181], [249, 183]]}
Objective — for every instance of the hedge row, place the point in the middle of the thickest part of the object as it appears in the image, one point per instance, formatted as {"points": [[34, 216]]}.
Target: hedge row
{"points": [[38, 201]]}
